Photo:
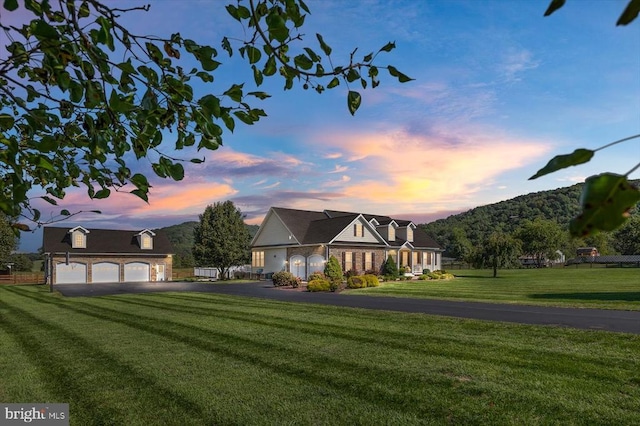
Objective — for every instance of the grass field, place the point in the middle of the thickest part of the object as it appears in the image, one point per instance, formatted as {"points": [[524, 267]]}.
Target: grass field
{"points": [[606, 288], [180, 359]]}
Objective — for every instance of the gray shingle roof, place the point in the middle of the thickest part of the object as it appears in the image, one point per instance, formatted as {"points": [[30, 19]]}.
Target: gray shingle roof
{"points": [[310, 227], [103, 241]]}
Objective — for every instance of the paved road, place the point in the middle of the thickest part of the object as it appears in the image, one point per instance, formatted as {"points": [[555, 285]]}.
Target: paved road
{"points": [[593, 319]]}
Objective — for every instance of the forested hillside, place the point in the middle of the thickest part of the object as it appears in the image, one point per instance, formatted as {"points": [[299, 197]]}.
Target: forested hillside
{"points": [[181, 237], [559, 205]]}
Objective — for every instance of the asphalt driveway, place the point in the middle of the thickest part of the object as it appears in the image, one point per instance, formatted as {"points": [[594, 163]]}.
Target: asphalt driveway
{"points": [[591, 319]]}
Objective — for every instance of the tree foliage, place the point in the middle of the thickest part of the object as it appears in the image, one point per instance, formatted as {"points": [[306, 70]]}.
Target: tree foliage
{"points": [[221, 239], [333, 271], [499, 250], [627, 238], [608, 197], [541, 239], [8, 240], [82, 96]]}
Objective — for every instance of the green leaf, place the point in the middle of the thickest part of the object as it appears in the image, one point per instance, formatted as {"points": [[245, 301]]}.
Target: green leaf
{"points": [[270, 66], [302, 61], [44, 163], [76, 91], [277, 26], [42, 30], [235, 92], [606, 200], [324, 46], [353, 101], [253, 54], [141, 194], [368, 58], [6, 122], [388, 47], [333, 83], [553, 6], [84, 10], [401, 77], [10, 5], [559, 162], [140, 181], [176, 171], [49, 200], [197, 161], [257, 75], [630, 13], [65, 212], [103, 193], [259, 95]]}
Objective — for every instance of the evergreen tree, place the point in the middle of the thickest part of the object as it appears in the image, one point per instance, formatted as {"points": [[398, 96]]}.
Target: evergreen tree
{"points": [[221, 239], [390, 269], [333, 271]]}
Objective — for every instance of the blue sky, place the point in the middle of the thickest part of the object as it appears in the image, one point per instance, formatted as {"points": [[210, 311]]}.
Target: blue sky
{"points": [[498, 91]]}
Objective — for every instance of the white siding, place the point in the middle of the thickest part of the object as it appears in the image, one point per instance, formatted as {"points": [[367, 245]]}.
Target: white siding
{"points": [[347, 234], [274, 260], [273, 232]]}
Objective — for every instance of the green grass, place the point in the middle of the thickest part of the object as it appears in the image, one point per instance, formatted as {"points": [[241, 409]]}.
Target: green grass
{"points": [[188, 358], [604, 288]]}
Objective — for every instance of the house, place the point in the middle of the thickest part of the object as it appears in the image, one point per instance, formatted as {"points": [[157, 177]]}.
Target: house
{"points": [[301, 242], [82, 255], [587, 252]]}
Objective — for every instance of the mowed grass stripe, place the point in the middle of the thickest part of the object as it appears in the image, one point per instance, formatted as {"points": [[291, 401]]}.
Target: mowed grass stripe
{"points": [[229, 360]]}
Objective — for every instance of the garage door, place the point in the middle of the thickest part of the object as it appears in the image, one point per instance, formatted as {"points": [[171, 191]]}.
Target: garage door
{"points": [[105, 272], [136, 271], [73, 273]]}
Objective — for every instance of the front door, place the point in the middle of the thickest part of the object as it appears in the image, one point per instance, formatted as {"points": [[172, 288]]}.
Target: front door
{"points": [[159, 272]]}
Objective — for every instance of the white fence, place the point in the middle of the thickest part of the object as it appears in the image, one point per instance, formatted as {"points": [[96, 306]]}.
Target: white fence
{"points": [[213, 273]]}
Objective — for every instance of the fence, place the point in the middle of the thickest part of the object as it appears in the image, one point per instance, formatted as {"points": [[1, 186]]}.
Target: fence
{"points": [[34, 278]]}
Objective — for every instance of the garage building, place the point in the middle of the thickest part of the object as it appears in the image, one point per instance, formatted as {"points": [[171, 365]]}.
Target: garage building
{"points": [[82, 256]]}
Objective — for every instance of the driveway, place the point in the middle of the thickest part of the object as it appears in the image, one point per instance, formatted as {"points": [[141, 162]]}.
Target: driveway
{"points": [[590, 319]]}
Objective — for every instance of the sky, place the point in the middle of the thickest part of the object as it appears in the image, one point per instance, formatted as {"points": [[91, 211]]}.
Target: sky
{"points": [[498, 91]]}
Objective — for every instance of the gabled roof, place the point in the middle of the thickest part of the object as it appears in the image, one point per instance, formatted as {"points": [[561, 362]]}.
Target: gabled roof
{"points": [[311, 227], [104, 241]]}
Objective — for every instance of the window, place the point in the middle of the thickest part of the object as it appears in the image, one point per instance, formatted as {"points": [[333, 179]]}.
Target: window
{"points": [[428, 261], [146, 242], [409, 234], [79, 240], [404, 258], [257, 259], [392, 233], [358, 230], [347, 263], [368, 261], [414, 258]]}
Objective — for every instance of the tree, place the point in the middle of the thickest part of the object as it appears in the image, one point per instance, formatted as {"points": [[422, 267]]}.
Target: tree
{"points": [[82, 98], [541, 239], [390, 268], [21, 262], [499, 250], [8, 240], [221, 239], [627, 238], [333, 271], [459, 246]]}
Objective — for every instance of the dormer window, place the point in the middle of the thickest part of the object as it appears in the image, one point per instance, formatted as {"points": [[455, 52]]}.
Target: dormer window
{"points": [[145, 239], [409, 233], [392, 233], [78, 237]]}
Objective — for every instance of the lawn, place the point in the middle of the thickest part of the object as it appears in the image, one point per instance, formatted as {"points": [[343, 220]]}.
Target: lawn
{"points": [[605, 288], [188, 358]]}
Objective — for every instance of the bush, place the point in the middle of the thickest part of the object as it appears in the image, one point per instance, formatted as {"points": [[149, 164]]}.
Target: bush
{"points": [[333, 271], [284, 278], [319, 285], [316, 276], [372, 280], [390, 269], [351, 273], [425, 271], [440, 275], [356, 282], [424, 277]]}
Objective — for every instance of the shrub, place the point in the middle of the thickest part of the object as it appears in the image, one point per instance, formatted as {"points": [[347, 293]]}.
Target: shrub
{"points": [[390, 269], [440, 275], [284, 278], [424, 277], [351, 273], [356, 281], [333, 271], [316, 276], [319, 285], [372, 280], [425, 271]]}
